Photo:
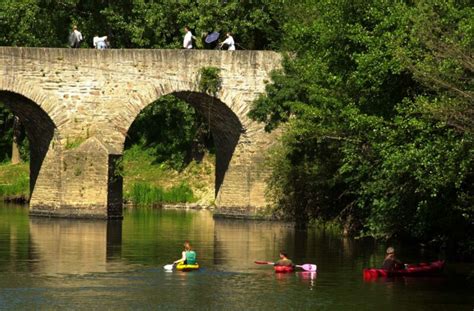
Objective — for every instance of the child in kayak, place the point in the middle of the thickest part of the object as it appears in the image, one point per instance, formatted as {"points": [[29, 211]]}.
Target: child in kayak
{"points": [[188, 255], [391, 263], [284, 261]]}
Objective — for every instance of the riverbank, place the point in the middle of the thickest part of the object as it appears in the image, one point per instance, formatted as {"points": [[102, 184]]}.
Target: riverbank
{"points": [[14, 182], [145, 182]]}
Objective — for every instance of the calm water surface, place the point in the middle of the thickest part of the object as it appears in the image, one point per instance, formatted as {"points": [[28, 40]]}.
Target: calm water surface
{"points": [[70, 264]]}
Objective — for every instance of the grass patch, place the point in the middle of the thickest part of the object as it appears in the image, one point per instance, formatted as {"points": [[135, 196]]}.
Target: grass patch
{"points": [[145, 194], [73, 143], [14, 181], [140, 169]]}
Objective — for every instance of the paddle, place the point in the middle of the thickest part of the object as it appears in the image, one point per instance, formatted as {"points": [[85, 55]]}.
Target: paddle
{"points": [[169, 267], [259, 262], [305, 267], [308, 267]]}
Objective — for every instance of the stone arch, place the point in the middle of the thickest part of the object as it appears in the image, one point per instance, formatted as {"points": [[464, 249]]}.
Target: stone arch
{"points": [[40, 129], [224, 124], [31, 92], [33, 108]]}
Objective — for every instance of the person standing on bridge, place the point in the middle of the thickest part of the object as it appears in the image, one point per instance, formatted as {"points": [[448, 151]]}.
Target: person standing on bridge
{"points": [[188, 38], [229, 42], [100, 43], [75, 38]]}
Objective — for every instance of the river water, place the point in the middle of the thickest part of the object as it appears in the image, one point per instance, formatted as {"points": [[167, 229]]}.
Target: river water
{"points": [[87, 265]]}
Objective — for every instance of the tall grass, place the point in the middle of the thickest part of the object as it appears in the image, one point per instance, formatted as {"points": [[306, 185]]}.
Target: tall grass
{"points": [[14, 182], [145, 194]]}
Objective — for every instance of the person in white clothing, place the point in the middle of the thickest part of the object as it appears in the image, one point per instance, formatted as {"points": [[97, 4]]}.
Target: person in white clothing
{"points": [[188, 38], [229, 41], [99, 42]]}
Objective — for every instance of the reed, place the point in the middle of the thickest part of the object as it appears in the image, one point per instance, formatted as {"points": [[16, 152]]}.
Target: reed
{"points": [[146, 194]]}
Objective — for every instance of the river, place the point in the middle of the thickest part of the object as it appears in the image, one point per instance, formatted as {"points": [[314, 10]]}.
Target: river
{"points": [[87, 265]]}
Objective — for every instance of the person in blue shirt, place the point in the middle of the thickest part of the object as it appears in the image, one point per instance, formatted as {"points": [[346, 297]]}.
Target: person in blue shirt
{"points": [[188, 255]]}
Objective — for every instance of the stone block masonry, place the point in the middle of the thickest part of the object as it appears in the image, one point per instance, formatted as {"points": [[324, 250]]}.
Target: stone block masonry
{"points": [[78, 104]]}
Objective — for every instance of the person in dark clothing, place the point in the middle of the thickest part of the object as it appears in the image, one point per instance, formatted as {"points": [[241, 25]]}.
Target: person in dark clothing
{"points": [[391, 263]]}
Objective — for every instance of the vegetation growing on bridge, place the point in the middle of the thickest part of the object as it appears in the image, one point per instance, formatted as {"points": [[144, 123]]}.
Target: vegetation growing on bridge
{"points": [[209, 80]]}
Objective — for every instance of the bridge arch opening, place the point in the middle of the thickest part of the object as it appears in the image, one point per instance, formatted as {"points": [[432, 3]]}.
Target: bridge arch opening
{"points": [[38, 126], [223, 128]]}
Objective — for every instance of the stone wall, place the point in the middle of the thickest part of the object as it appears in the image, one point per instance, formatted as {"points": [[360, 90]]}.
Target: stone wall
{"points": [[85, 96]]}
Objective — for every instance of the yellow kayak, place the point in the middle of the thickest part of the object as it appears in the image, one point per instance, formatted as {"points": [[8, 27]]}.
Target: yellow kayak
{"points": [[182, 267]]}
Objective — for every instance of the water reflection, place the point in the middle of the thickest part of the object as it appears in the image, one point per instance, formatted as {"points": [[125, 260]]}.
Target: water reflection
{"points": [[239, 243], [308, 278], [74, 246]]}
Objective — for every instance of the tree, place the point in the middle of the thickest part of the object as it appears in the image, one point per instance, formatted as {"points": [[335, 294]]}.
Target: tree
{"points": [[377, 118]]}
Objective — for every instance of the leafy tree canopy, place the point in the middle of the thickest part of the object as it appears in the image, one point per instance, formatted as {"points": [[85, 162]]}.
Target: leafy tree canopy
{"points": [[376, 102]]}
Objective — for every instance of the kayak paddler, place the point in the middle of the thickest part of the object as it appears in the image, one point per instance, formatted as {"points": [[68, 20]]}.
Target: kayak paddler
{"points": [[391, 263], [284, 260], [188, 255]]}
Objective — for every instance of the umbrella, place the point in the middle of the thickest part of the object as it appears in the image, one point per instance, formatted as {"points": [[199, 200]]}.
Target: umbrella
{"points": [[213, 36]]}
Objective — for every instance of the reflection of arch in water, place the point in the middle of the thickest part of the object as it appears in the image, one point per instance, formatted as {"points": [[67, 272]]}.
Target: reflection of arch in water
{"points": [[40, 128], [74, 246], [224, 124], [239, 243]]}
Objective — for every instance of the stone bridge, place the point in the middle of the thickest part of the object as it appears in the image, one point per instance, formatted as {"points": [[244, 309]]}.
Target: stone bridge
{"points": [[77, 106]]}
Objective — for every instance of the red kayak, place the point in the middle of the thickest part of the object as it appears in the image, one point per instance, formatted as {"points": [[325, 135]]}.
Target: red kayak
{"points": [[284, 269], [420, 269]]}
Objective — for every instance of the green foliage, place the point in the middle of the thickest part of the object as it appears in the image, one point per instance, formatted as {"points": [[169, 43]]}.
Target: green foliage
{"points": [[145, 194], [172, 131], [6, 130], [14, 181], [376, 101], [139, 24], [6, 136], [73, 143], [209, 80], [139, 167]]}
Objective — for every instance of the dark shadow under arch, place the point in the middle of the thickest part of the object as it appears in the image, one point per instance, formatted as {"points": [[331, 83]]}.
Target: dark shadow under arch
{"points": [[224, 125], [38, 125]]}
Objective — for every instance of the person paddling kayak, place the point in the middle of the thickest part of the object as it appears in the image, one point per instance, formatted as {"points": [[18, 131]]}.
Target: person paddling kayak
{"points": [[284, 260], [391, 263], [188, 255]]}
